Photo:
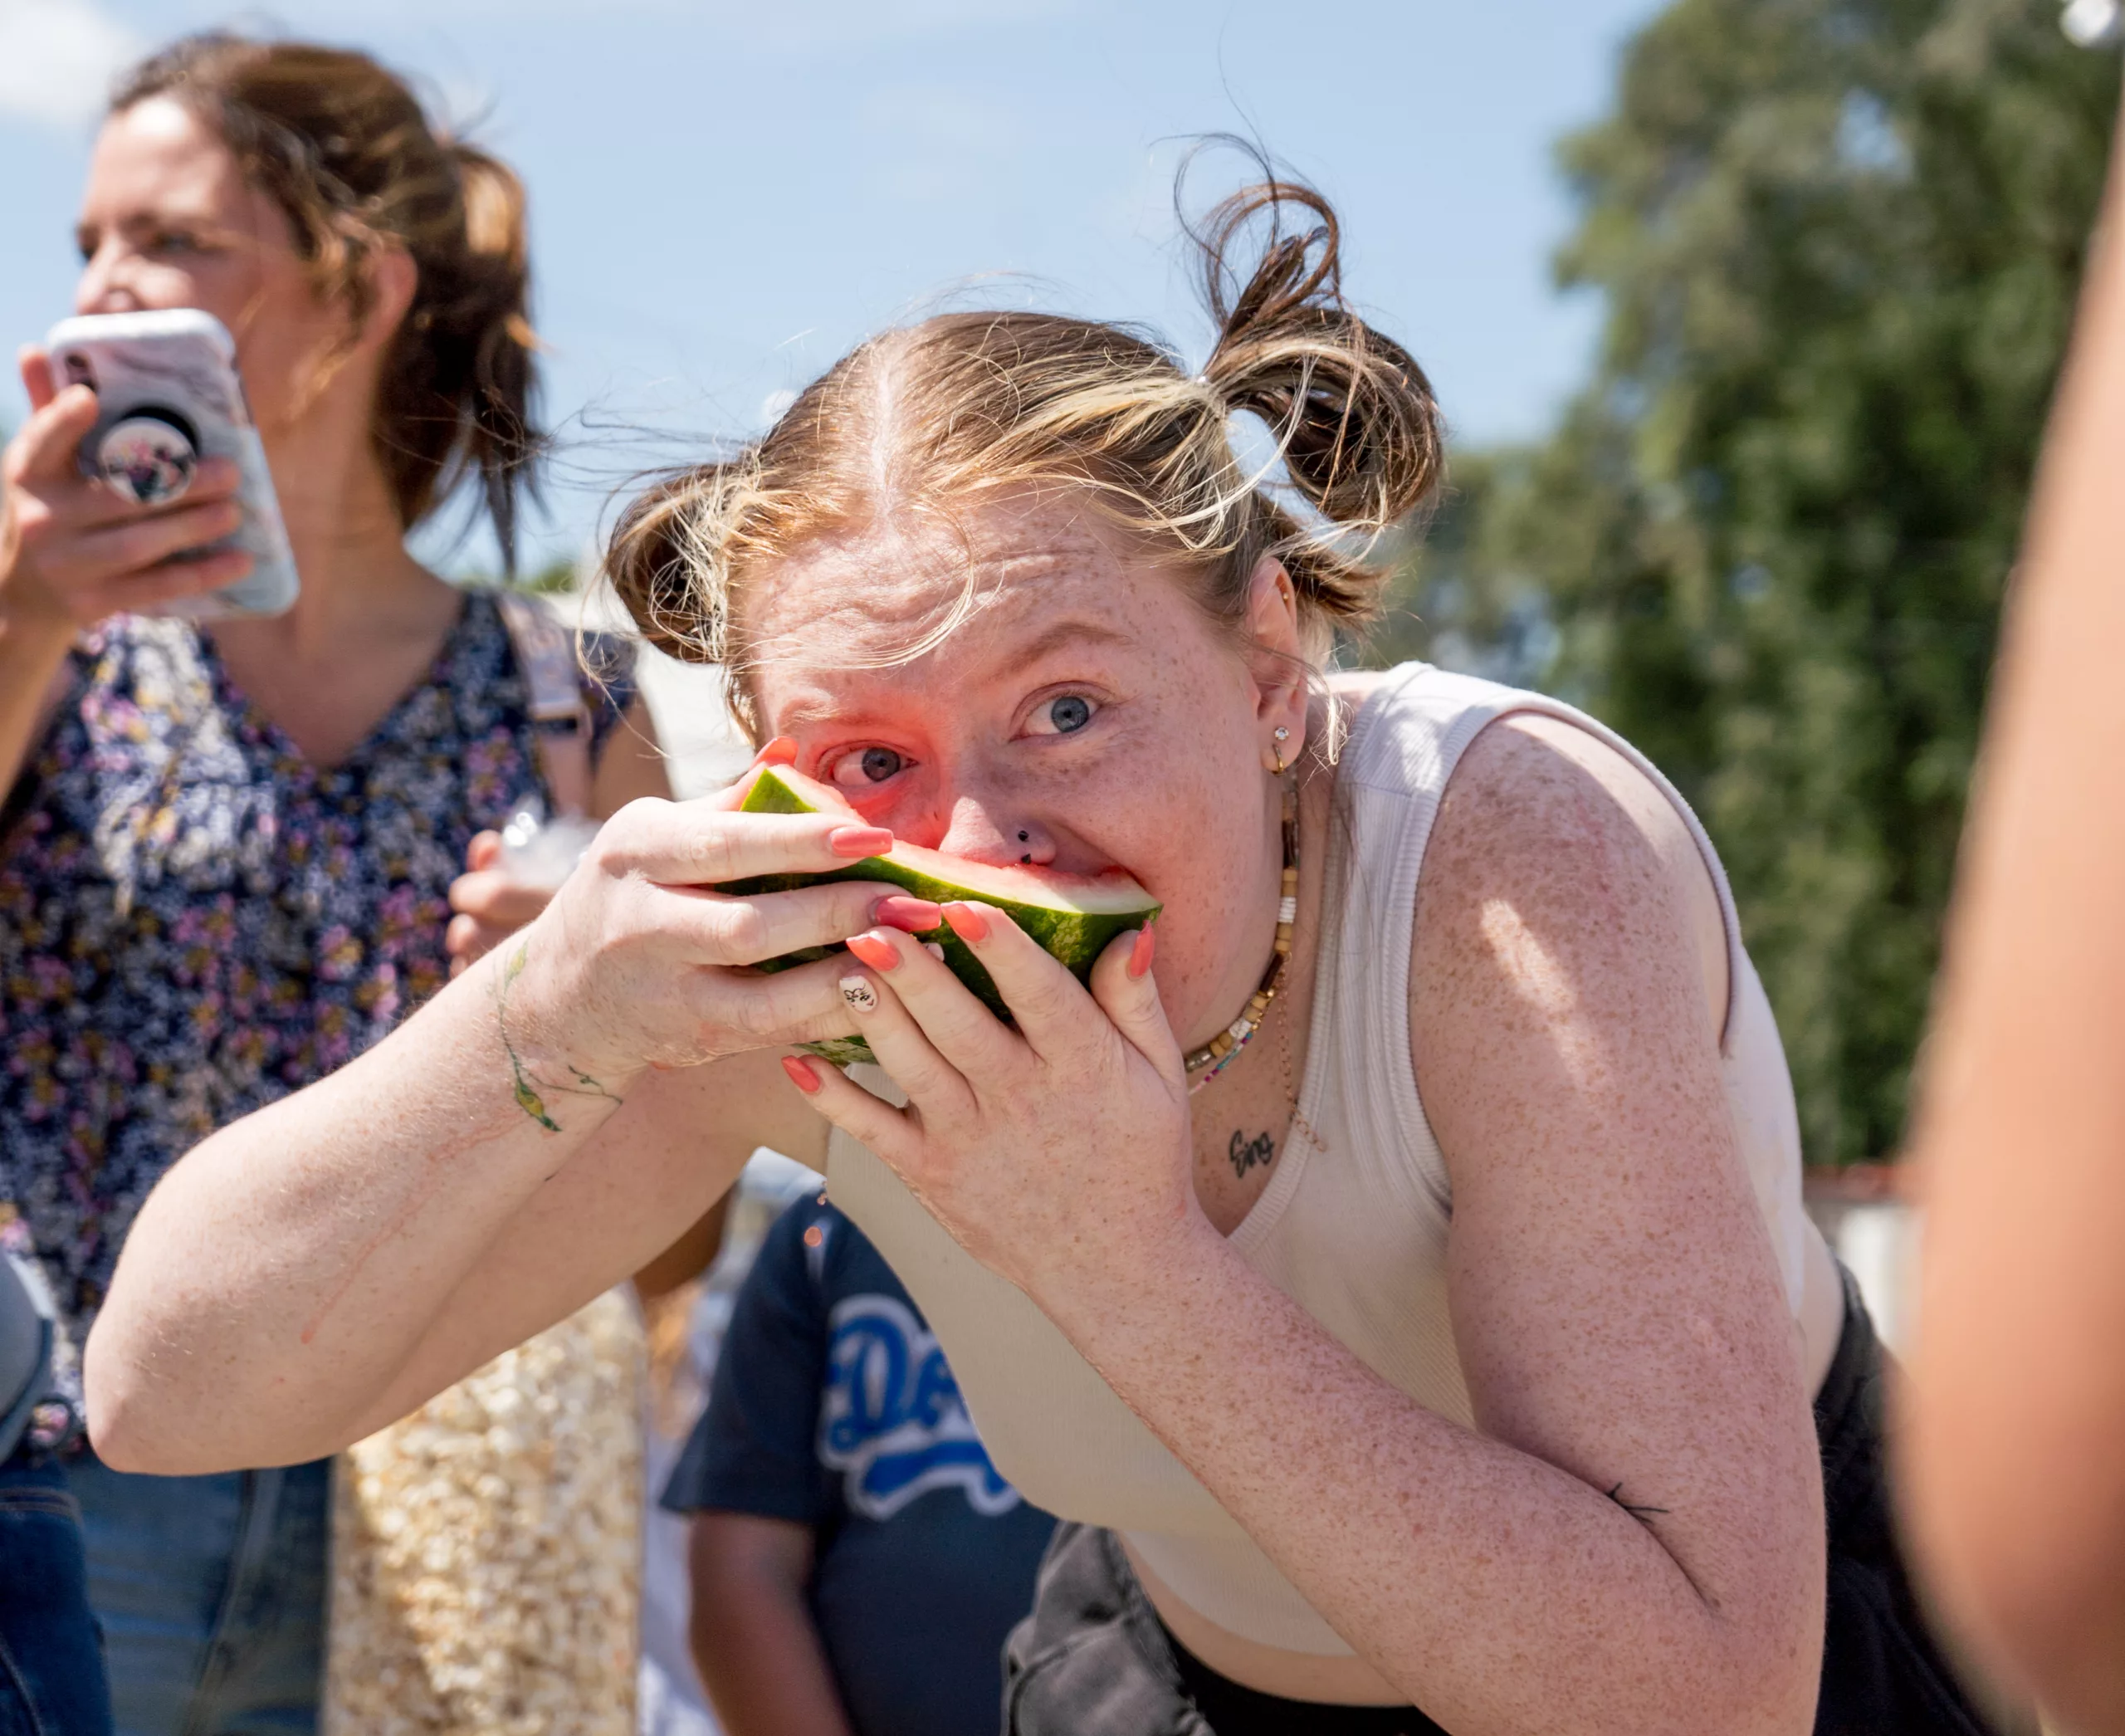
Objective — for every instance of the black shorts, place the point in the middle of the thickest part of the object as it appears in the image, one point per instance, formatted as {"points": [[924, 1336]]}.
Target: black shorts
{"points": [[1094, 1659]]}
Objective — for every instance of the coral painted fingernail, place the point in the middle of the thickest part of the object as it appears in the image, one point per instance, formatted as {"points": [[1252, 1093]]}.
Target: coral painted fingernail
{"points": [[801, 1075], [914, 915], [780, 752], [859, 840], [967, 921], [1140, 953], [876, 950], [857, 992]]}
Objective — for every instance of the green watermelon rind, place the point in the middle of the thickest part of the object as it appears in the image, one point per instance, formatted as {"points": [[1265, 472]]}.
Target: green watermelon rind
{"points": [[1074, 936]]}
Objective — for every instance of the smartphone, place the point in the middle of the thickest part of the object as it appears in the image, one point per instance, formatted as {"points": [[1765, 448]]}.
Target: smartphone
{"points": [[169, 395]]}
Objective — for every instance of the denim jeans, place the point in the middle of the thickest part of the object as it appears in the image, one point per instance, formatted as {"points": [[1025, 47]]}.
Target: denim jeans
{"points": [[51, 1679], [211, 1591]]}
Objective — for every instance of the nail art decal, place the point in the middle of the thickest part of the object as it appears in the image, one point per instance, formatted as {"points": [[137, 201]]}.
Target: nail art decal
{"points": [[857, 992]]}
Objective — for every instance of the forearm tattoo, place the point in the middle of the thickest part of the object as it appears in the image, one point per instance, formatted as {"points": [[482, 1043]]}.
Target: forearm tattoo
{"points": [[526, 1083], [1248, 1154]]}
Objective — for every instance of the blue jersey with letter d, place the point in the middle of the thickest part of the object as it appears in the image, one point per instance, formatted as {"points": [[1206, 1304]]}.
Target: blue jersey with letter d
{"points": [[834, 1407]]}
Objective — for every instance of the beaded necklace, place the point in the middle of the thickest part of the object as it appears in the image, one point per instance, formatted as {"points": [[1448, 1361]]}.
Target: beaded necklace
{"points": [[1222, 1050]]}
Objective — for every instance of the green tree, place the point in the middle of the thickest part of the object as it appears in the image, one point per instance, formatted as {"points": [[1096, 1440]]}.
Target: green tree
{"points": [[1838, 243]]}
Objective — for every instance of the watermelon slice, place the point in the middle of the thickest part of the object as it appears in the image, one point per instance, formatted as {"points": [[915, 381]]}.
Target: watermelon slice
{"points": [[1073, 916]]}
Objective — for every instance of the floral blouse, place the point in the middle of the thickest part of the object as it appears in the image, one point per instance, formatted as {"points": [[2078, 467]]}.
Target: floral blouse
{"points": [[195, 920]]}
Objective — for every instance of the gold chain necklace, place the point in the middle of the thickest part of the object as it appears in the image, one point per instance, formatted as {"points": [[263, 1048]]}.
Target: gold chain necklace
{"points": [[1222, 1050]]}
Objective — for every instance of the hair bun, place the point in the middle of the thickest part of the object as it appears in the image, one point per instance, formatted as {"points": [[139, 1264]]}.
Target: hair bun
{"points": [[493, 204], [651, 559], [1351, 413]]}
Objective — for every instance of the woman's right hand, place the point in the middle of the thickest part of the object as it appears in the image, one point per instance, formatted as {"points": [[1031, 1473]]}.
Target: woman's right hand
{"points": [[71, 552], [639, 962]]}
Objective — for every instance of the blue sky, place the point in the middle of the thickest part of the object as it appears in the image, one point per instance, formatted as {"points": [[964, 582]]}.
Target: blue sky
{"points": [[724, 196]]}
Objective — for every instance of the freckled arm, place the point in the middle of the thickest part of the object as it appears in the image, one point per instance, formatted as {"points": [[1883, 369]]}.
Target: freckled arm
{"points": [[1632, 1536], [323, 1266]]}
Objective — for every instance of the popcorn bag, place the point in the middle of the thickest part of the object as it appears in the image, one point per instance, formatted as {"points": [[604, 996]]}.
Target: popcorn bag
{"points": [[486, 1550]]}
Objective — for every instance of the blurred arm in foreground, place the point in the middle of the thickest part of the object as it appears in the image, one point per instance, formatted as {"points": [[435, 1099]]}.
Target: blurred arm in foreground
{"points": [[2016, 1414]]}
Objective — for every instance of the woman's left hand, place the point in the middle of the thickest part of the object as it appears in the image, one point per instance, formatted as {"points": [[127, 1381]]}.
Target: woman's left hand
{"points": [[1057, 1153]]}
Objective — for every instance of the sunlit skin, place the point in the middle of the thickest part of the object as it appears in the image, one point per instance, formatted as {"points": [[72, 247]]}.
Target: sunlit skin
{"points": [[1163, 777], [1563, 1025], [2013, 1418]]}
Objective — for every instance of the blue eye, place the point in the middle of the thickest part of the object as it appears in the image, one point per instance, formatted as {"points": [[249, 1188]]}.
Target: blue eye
{"points": [[862, 766], [1064, 716]]}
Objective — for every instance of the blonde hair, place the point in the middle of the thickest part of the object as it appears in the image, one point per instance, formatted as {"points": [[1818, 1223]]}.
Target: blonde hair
{"points": [[967, 405], [341, 144]]}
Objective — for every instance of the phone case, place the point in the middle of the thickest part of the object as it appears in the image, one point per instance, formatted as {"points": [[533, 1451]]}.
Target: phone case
{"points": [[169, 395]]}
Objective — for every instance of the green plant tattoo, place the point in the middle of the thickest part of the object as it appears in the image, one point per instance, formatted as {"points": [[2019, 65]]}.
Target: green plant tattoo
{"points": [[525, 1082]]}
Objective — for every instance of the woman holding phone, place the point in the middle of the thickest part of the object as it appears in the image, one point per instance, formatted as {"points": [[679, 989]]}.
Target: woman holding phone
{"points": [[228, 848], [1392, 1263]]}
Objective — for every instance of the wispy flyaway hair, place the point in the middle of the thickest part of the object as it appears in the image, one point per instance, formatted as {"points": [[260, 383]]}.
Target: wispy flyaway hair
{"points": [[930, 418]]}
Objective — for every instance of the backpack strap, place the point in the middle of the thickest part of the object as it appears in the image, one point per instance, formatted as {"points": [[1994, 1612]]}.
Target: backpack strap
{"points": [[546, 658]]}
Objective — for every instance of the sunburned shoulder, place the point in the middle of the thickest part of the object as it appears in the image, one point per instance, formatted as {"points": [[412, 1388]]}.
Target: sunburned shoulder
{"points": [[1547, 831]]}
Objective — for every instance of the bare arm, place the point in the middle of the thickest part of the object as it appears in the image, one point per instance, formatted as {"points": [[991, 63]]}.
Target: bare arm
{"points": [[543, 1128], [2016, 1409], [1616, 1299], [754, 1640], [332, 1262], [1634, 1540]]}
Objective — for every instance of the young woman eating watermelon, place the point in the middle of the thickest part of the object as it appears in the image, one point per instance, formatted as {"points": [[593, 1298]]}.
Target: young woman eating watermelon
{"points": [[1392, 1259]]}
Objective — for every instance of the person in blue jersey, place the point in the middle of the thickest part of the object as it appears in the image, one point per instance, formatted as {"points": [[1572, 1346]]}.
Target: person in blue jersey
{"points": [[856, 1561]]}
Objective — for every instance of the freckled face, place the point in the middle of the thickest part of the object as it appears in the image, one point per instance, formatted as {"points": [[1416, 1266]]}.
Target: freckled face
{"points": [[1087, 703]]}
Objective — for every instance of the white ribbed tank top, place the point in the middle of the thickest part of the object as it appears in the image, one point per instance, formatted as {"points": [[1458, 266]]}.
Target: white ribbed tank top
{"points": [[1352, 1227]]}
